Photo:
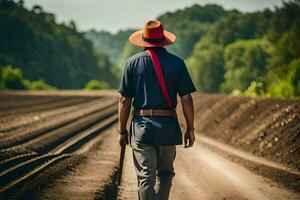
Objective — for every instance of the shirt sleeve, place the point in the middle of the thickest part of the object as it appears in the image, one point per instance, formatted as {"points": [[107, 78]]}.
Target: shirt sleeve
{"points": [[126, 86], [186, 85]]}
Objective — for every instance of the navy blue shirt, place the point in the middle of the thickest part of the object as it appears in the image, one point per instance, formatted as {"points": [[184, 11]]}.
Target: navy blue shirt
{"points": [[140, 82]]}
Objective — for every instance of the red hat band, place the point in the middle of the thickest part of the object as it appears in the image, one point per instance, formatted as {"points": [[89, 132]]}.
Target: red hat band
{"points": [[153, 32]]}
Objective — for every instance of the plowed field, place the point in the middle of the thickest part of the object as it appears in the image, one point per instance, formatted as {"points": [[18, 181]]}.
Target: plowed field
{"points": [[63, 145]]}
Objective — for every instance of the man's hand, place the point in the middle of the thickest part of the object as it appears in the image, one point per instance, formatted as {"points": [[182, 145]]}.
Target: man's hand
{"points": [[188, 111], [189, 139], [123, 114], [123, 139]]}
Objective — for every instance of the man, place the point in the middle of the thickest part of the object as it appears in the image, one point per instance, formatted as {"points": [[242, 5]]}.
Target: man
{"points": [[152, 79]]}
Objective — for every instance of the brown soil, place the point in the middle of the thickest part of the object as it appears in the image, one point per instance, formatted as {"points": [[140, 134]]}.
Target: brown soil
{"points": [[202, 174], [11, 126], [86, 177], [237, 133], [213, 170], [269, 128]]}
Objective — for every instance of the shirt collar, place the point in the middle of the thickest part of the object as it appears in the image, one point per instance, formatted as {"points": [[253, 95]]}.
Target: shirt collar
{"points": [[156, 48]]}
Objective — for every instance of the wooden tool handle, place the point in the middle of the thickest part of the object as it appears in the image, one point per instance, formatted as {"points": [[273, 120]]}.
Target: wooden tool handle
{"points": [[121, 162]]}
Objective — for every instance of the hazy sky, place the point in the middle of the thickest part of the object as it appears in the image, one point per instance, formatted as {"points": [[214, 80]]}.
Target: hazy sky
{"points": [[114, 15]]}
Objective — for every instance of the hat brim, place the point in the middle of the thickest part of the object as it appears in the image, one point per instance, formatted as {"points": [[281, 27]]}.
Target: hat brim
{"points": [[137, 39]]}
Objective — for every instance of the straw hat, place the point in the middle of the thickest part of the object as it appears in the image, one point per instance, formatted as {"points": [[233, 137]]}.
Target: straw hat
{"points": [[153, 35]]}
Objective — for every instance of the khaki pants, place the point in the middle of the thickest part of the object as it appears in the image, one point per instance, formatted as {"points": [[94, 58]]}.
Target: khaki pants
{"points": [[154, 169]]}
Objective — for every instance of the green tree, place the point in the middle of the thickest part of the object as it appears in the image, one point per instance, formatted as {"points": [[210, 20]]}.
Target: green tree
{"points": [[236, 26], [190, 25], [284, 33], [4, 60], [42, 48], [255, 89], [287, 48], [96, 85], [207, 60], [11, 78], [37, 85], [288, 86], [206, 67], [245, 61], [1, 78]]}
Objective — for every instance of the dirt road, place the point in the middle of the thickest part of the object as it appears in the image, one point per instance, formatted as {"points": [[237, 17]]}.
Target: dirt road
{"points": [[202, 174]]}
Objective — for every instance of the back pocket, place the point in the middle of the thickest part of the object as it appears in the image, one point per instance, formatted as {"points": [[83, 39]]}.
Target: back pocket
{"points": [[164, 131], [143, 130]]}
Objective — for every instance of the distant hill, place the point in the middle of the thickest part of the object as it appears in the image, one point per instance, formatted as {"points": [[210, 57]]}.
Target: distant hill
{"points": [[108, 43], [226, 51], [43, 49], [189, 25], [229, 51], [250, 53]]}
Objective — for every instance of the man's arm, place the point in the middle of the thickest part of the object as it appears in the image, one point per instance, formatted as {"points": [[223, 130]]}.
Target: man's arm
{"points": [[123, 115], [188, 111]]}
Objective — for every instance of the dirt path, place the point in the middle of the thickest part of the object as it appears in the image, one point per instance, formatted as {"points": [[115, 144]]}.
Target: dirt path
{"points": [[127, 190], [204, 175], [85, 179]]}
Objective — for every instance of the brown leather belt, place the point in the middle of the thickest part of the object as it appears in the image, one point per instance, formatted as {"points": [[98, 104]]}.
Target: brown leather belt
{"points": [[155, 112]]}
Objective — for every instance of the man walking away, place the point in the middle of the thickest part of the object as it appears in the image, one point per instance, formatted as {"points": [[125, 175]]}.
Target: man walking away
{"points": [[152, 79]]}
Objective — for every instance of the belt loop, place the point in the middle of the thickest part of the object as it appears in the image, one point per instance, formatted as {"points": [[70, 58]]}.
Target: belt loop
{"points": [[151, 112], [174, 114]]}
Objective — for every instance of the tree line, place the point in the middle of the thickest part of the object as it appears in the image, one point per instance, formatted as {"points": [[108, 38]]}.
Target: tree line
{"points": [[228, 51], [253, 53], [34, 46]]}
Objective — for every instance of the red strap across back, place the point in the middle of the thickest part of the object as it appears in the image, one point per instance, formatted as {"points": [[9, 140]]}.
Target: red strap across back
{"points": [[160, 76]]}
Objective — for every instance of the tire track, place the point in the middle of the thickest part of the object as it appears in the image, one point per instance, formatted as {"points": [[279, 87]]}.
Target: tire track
{"points": [[15, 119], [12, 178], [54, 123]]}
